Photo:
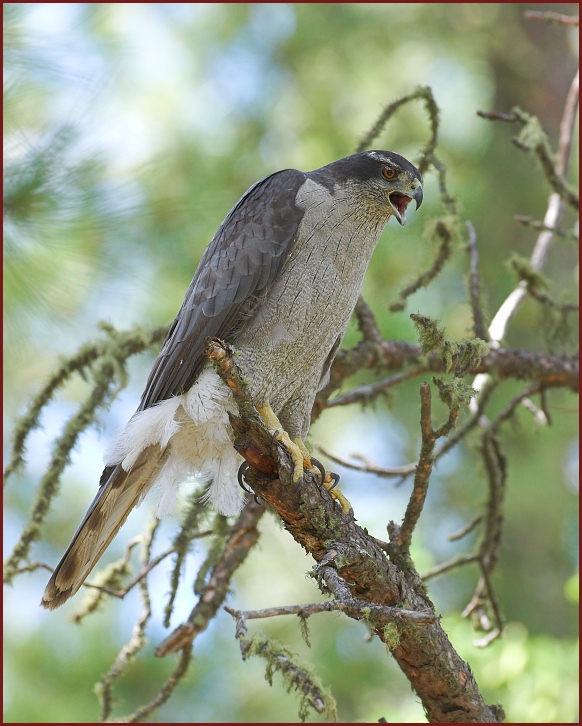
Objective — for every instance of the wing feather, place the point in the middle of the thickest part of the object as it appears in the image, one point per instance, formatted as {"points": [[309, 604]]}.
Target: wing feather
{"points": [[245, 256]]}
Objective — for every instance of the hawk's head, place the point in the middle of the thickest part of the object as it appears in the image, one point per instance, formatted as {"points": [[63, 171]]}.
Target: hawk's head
{"points": [[383, 179]]}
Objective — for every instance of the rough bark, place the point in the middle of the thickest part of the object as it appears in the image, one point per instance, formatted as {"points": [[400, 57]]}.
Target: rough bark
{"points": [[390, 355], [442, 680]]}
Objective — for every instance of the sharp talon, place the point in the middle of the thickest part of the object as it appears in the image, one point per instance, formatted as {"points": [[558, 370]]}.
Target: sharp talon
{"points": [[336, 478], [243, 468], [257, 499], [320, 467]]}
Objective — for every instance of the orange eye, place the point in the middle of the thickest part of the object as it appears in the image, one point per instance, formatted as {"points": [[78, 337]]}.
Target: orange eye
{"points": [[389, 172]]}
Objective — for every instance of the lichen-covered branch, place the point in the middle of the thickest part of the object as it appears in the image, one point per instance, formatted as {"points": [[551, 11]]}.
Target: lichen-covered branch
{"points": [[138, 638], [423, 93], [105, 362], [242, 537], [424, 466], [443, 232], [181, 545], [438, 675], [60, 458], [165, 691], [117, 347], [297, 674], [391, 355]]}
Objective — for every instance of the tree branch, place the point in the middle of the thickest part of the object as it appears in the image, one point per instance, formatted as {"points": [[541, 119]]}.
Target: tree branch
{"points": [[243, 535], [552, 218], [551, 17], [424, 466], [355, 565], [549, 370]]}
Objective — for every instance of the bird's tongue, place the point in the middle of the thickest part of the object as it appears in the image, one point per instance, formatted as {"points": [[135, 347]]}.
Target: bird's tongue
{"points": [[399, 202]]}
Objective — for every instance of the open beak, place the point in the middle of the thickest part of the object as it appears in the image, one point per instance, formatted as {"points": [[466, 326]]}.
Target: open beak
{"points": [[399, 201]]}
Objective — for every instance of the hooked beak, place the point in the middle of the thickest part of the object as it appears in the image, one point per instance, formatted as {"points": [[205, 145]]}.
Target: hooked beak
{"points": [[399, 201]]}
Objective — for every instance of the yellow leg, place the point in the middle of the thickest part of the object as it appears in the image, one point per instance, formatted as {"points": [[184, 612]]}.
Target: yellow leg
{"points": [[336, 494], [299, 453], [306, 455], [328, 482], [274, 425]]}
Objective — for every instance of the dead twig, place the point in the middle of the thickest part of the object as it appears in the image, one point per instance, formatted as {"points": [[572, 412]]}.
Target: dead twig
{"points": [[552, 219], [367, 393], [425, 464], [479, 327], [350, 606], [453, 564], [242, 537], [550, 17]]}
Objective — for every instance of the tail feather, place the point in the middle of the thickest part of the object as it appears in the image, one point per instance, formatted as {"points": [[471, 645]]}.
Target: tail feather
{"points": [[118, 494]]}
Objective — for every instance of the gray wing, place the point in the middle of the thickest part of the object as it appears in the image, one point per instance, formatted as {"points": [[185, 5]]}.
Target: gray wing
{"points": [[244, 258]]}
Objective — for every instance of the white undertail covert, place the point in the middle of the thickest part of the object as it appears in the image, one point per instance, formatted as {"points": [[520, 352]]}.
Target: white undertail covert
{"points": [[196, 429]]}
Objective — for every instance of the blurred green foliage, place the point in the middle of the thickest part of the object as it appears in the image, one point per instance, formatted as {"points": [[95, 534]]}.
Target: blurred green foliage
{"points": [[130, 131]]}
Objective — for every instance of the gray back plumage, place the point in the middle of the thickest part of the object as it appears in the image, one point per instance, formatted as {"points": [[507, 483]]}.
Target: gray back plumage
{"points": [[244, 257]]}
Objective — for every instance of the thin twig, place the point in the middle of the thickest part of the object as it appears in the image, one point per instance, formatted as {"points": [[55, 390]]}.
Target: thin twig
{"points": [[450, 565], [166, 690], [367, 393], [243, 535], [447, 200], [425, 464], [350, 606], [467, 529], [551, 17], [475, 285], [492, 597], [540, 227], [368, 467], [495, 464], [510, 407], [443, 232], [421, 93], [138, 639], [453, 439]]}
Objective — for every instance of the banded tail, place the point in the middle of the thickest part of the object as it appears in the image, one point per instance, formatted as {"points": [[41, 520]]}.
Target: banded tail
{"points": [[117, 496]]}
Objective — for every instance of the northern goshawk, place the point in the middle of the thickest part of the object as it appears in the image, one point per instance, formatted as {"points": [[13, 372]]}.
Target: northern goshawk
{"points": [[279, 281]]}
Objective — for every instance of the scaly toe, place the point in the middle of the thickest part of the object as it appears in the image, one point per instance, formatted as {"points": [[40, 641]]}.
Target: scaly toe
{"points": [[294, 450], [330, 482]]}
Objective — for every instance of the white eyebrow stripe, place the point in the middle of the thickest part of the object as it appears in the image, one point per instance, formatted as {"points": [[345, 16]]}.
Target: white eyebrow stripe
{"points": [[385, 159]]}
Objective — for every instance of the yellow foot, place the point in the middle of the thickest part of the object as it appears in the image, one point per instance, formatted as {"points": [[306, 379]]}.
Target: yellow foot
{"points": [[276, 429], [328, 483], [307, 463], [300, 455]]}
